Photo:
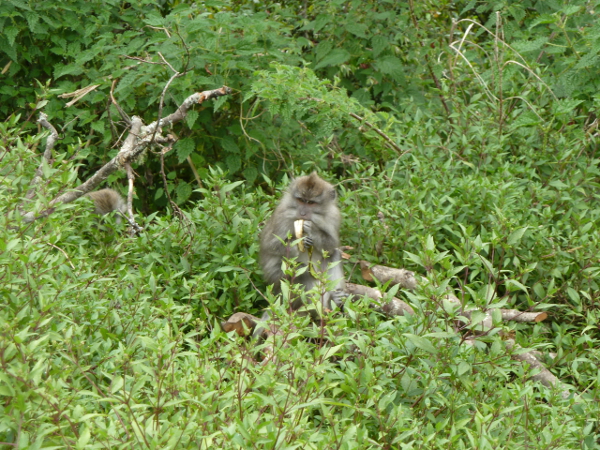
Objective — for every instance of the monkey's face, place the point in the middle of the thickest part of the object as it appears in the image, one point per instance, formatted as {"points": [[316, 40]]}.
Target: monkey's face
{"points": [[308, 206], [304, 208], [312, 196]]}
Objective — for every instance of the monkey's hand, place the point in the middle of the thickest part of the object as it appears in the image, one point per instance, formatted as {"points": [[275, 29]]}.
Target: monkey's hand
{"points": [[339, 297], [308, 241]]}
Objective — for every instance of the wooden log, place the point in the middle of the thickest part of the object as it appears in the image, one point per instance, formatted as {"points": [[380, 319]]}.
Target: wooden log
{"points": [[395, 307], [544, 376], [522, 316], [405, 278], [485, 325], [242, 323], [360, 290], [506, 314]]}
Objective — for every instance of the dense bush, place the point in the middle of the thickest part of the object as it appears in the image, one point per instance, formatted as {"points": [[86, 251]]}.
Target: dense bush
{"points": [[464, 150], [113, 341]]}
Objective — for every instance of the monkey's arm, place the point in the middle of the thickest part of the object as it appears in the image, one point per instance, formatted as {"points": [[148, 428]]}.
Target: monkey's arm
{"points": [[274, 246], [322, 235]]}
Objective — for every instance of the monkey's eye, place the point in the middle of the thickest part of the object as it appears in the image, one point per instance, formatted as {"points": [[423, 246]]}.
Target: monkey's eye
{"points": [[310, 202]]}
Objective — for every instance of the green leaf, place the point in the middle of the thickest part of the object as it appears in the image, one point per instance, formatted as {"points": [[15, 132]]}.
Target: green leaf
{"points": [[230, 145], [574, 295], [357, 29], [231, 186], [320, 22], [392, 66], [184, 191], [191, 118], [517, 284], [11, 33], [234, 163], [184, 148], [117, 384], [334, 58], [226, 269], [516, 236], [84, 438], [379, 43], [463, 368], [421, 342]]}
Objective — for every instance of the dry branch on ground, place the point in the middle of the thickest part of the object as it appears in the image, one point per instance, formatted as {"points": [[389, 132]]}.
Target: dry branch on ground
{"points": [[395, 307], [405, 278]]}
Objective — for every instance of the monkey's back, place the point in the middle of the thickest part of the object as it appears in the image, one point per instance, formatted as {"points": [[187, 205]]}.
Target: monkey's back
{"points": [[107, 200]]}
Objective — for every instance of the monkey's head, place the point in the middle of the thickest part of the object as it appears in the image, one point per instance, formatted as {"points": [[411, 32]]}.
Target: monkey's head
{"points": [[312, 195]]}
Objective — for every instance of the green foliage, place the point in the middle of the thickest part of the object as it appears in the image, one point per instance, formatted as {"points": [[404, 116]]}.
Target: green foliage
{"points": [[464, 150], [113, 341]]}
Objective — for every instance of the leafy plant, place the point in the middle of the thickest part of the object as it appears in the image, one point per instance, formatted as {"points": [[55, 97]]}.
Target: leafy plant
{"points": [[464, 150]]}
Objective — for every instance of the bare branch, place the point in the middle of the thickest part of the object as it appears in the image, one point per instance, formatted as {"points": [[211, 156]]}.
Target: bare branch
{"points": [[78, 94], [123, 114], [52, 138], [181, 112], [167, 63], [130, 179], [135, 228], [136, 58], [138, 140], [128, 152], [162, 97]]}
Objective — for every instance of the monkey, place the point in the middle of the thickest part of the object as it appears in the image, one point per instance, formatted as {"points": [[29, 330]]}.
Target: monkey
{"points": [[313, 200], [107, 201]]}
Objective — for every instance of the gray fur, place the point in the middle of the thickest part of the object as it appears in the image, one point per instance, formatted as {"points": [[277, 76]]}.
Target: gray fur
{"points": [[108, 200], [321, 227]]}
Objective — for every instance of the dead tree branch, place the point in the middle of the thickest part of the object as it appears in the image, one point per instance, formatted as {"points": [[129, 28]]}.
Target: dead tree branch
{"points": [[47, 158], [506, 314], [139, 139], [123, 114]]}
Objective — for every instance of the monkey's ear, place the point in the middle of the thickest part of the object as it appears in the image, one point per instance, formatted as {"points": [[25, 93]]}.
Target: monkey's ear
{"points": [[333, 194]]}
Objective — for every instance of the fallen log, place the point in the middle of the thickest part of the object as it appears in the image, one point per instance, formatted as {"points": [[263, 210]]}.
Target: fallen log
{"points": [[523, 316], [544, 376], [242, 323], [405, 278], [395, 307], [507, 314]]}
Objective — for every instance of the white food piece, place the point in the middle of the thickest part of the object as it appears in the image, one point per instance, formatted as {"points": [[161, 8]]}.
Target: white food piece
{"points": [[298, 229]]}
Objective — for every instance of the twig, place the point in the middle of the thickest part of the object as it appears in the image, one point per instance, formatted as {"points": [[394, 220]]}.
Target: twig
{"points": [[43, 121], [130, 179], [135, 228], [162, 99], [123, 114], [136, 58], [380, 133], [78, 94], [195, 172], [63, 252]]}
